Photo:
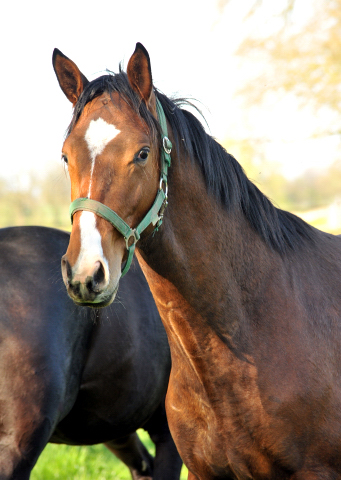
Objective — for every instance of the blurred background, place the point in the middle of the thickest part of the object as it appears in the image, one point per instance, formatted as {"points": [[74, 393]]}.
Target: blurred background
{"points": [[267, 77]]}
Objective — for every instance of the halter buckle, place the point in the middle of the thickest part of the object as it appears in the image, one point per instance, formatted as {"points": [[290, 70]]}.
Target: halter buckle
{"points": [[134, 236], [167, 145]]}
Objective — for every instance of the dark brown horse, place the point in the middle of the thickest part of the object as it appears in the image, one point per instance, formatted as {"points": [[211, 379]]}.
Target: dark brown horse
{"points": [[74, 375], [250, 295]]}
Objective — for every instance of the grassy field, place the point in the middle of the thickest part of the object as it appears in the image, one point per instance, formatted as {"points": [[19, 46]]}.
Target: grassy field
{"points": [[62, 462]]}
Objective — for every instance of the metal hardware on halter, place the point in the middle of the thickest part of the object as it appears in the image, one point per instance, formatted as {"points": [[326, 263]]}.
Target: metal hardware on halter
{"points": [[162, 211], [163, 187], [167, 145], [165, 183], [133, 235], [154, 216]]}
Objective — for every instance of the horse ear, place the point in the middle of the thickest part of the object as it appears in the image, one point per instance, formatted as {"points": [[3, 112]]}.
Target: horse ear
{"points": [[70, 78], [140, 74]]}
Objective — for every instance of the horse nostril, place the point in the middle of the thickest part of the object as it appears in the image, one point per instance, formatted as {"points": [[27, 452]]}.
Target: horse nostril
{"points": [[84, 284], [66, 270], [75, 288], [98, 277]]}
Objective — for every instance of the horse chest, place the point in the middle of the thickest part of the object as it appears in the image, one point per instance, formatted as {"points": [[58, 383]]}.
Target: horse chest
{"points": [[224, 426], [210, 395], [212, 416], [225, 422]]}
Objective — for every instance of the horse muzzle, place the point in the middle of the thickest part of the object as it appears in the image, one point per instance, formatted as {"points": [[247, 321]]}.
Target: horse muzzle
{"points": [[88, 287]]}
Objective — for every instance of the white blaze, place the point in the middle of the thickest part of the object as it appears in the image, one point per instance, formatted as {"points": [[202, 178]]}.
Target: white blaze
{"points": [[97, 136], [91, 247]]}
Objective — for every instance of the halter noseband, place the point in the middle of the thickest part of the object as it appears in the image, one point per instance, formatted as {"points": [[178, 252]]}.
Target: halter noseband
{"points": [[154, 215]]}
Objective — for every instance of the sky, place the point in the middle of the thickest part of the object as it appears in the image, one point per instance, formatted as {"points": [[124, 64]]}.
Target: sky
{"points": [[192, 49]]}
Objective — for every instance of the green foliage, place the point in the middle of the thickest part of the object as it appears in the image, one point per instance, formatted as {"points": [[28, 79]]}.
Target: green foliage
{"points": [[314, 190], [39, 202], [266, 175], [78, 463], [46, 201], [306, 63], [310, 191], [59, 462]]}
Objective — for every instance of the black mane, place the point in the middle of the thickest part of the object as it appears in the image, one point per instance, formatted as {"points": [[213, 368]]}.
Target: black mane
{"points": [[224, 176]]}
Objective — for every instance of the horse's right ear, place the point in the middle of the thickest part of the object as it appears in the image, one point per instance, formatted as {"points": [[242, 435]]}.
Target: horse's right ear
{"points": [[70, 78]]}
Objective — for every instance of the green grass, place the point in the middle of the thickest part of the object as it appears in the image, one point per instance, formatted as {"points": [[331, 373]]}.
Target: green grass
{"points": [[59, 462]]}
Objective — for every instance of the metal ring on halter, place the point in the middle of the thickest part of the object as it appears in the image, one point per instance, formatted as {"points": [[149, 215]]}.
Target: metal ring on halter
{"points": [[163, 182], [167, 145], [133, 235]]}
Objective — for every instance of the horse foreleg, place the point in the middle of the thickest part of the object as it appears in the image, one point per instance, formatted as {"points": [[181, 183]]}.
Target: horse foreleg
{"points": [[131, 451], [21, 446], [167, 461], [12, 464]]}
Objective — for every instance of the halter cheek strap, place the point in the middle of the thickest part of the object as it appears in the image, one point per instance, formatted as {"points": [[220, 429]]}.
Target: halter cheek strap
{"points": [[154, 216]]}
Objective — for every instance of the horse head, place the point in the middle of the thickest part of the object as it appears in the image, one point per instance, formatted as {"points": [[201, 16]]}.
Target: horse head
{"points": [[112, 152]]}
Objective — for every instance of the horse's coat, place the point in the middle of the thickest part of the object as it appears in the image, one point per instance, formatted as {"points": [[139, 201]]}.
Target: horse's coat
{"points": [[74, 375], [250, 295]]}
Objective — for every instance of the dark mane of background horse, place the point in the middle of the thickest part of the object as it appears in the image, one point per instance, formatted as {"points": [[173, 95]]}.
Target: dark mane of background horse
{"points": [[224, 176]]}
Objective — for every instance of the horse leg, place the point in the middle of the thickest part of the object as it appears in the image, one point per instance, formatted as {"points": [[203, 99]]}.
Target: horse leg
{"points": [[167, 461], [21, 447], [13, 465], [131, 451], [27, 411]]}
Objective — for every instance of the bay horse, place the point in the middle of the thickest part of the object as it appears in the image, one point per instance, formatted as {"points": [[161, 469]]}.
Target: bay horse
{"points": [[250, 295], [73, 375]]}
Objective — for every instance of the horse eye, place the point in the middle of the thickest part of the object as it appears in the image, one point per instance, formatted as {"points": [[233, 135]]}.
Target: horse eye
{"points": [[64, 158], [142, 155]]}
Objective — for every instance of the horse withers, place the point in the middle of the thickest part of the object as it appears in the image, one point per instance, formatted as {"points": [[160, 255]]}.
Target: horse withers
{"points": [[250, 295], [74, 375]]}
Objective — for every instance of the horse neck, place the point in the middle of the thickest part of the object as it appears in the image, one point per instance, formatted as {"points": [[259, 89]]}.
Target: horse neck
{"points": [[212, 258]]}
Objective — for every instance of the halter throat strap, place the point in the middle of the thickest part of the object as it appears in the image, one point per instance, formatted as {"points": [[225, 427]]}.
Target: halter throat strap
{"points": [[154, 216]]}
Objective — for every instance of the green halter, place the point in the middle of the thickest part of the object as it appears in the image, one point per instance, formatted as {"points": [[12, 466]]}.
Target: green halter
{"points": [[155, 214]]}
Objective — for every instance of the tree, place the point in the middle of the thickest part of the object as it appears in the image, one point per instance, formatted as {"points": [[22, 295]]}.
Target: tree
{"points": [[306, 63]]}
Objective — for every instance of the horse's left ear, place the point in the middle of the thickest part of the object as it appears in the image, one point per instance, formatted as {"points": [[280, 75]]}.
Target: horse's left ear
{"points": [[140, 74], [70, 78]]}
